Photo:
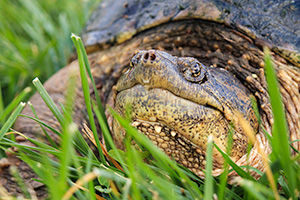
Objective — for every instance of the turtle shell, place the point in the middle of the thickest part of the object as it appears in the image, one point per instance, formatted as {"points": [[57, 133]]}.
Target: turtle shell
{"points": [[274, 23], [117, 21]]}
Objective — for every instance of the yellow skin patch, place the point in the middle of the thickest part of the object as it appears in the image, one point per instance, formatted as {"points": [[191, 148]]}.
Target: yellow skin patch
{"points": [[188, 101]]}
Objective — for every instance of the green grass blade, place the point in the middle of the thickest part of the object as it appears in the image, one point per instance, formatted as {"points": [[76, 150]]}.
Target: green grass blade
{"points": [[86, 93], [224, 175], [50, 140], [42, 123], [14, 103], [47, 99], [40, 146], [85, 83], [132, 157], [20, 182], [237, 168], [275, 167], [208, 184], [45, 173], [280, 142], [81, 144], [11, 119], [69, 129], [88, 68], [98, 100], [258, 191], [66, 153], [90, 184], [108, 137], [284, 185], [1, 103]]}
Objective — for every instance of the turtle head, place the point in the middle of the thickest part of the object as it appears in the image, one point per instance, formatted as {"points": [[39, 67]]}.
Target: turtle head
{"points": [[177, 102]]}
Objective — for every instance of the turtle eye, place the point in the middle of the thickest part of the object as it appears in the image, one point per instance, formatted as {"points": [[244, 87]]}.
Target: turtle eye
{"points": [[193, 71], [196, 70], [133, 61]]}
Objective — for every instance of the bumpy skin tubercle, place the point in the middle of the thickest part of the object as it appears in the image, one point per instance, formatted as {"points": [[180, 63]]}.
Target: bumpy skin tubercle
{"points": [[182, 96]]}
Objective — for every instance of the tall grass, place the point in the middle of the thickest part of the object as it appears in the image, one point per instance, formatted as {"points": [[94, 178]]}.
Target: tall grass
{"points": [[84, 176], [34, 40]]}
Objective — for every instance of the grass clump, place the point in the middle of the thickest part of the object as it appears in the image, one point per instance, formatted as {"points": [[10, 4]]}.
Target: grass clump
{"points": [[72, 170], [35, 40]]}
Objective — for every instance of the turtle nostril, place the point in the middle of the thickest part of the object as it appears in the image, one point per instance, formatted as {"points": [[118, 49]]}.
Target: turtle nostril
{"points": [[152, 57], [146, 56]]}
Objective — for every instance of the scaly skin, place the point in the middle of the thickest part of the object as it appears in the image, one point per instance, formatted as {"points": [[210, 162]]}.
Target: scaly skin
{"points": [[182, 96]]}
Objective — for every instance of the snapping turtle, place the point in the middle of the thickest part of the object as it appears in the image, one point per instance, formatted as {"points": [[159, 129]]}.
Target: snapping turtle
{"points": [[205, 35]]}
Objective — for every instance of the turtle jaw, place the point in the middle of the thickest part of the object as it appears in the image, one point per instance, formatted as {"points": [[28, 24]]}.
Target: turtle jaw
{"points": [[173, 144], [158, 69], [174, 123]]}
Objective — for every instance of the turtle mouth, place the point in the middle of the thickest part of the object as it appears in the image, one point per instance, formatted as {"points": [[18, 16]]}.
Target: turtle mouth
{"points": [[173, 144], [178, 126]]}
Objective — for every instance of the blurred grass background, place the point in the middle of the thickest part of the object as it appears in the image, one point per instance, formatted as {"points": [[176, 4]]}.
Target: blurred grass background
{"points": [[35, 40]]}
